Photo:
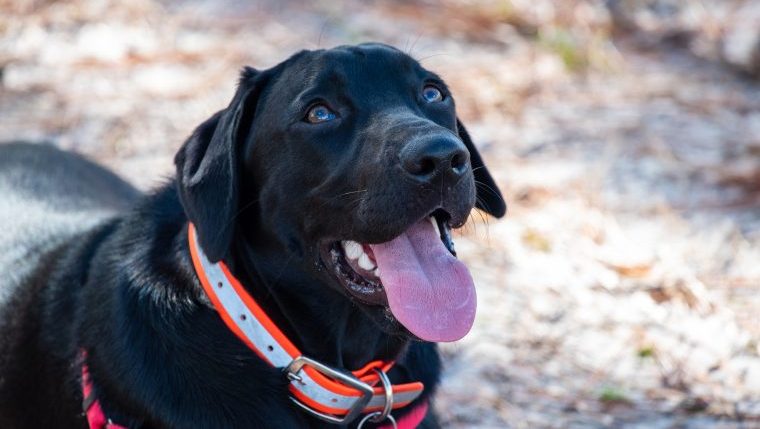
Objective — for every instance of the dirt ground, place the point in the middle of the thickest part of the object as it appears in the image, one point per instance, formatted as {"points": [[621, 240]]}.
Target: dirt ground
{"points": [[622, 290]]}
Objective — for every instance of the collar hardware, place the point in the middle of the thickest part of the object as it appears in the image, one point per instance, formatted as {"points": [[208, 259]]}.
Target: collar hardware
{"points": [[380, 416], [356, 408], [388, 389]]}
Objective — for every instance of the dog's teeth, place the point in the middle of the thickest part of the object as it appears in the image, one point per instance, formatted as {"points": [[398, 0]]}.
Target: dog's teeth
{"points": [[366, 263], [376, 272], [435, 225], [352, 249]]}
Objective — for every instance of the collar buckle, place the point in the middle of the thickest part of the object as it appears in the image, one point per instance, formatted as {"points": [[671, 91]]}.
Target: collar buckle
{"points": [[297, 364]]}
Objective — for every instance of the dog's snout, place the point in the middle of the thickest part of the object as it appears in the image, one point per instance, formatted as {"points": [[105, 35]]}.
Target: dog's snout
{"points": [[429, 158]]}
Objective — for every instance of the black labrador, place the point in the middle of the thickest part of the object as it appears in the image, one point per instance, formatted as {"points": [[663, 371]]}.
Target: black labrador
{"points": [[329, 187]]}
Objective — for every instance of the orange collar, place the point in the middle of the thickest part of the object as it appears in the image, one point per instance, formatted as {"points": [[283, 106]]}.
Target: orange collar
{"points": [[322, 391]]}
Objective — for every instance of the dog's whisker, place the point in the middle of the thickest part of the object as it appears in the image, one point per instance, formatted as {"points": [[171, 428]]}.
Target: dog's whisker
{"points": [[483, 203], [486, 207], [431, 56], [345, 194], [350, 192], [486, 187], [411, 49], [354, 202], [322, 32], [471, 223], [488, 229], [483, 217]]}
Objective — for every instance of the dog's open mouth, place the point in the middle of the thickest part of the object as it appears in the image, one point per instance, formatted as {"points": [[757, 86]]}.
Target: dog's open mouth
{"points": [[416, 275], [355, 263]]}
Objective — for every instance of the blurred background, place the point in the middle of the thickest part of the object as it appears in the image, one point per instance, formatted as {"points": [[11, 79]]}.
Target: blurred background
{"points": [[623, 288]]}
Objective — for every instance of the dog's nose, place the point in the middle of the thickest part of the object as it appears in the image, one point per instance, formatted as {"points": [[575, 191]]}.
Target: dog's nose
{"points": [[428, 158]]}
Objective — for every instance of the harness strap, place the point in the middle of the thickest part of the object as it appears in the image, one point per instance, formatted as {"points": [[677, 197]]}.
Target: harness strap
{"points": [[96, 418], [410, 420]]}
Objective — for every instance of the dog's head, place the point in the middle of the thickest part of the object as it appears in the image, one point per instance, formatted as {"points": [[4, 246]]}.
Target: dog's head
{"points": [[354, 162]]}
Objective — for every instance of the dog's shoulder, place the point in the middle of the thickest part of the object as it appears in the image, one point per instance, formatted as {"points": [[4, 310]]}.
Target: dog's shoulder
{"points": [[48, 196]]}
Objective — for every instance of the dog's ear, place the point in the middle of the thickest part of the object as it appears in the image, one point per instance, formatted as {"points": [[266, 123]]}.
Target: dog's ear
{"points": [[208, 167], [489, 196]]}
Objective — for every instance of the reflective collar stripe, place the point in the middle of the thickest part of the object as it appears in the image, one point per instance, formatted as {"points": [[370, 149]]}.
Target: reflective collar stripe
{"points": [[249, 322]]}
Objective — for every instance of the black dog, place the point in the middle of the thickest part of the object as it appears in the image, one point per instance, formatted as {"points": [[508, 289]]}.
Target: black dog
{"points": [[315, 186]]}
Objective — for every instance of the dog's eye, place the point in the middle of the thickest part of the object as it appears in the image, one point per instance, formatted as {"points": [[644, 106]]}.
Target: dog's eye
{"points": [[431, 94], [320, 113]]}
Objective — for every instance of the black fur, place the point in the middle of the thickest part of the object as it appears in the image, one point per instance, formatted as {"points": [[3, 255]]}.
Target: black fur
{"points": [[91, 264]]}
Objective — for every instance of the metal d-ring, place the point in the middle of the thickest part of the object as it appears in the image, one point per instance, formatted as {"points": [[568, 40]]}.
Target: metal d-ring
{"points": [[388, 390], [380, 416], [371, 416]]}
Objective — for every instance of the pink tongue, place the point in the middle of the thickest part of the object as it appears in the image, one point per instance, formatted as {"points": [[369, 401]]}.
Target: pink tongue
{"points": [[429, 291]]}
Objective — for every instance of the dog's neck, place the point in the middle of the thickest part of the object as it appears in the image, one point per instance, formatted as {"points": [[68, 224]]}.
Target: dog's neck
{"points": [[322, 323]]}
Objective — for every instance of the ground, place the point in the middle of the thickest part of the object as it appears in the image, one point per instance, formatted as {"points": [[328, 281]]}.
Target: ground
{"points": [[623, 287]]}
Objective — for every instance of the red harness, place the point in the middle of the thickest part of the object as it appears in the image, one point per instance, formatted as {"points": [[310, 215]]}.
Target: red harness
{"points": [[95, 415], [318, 389]]}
